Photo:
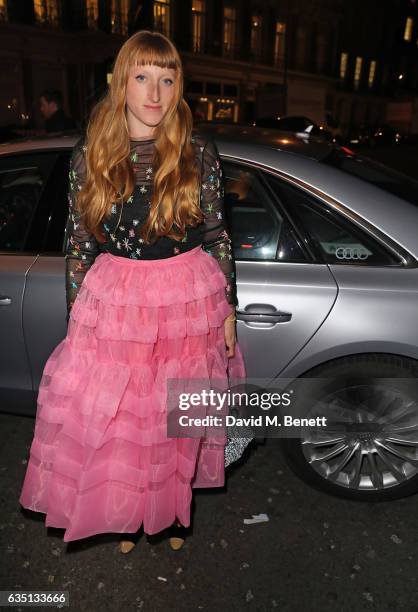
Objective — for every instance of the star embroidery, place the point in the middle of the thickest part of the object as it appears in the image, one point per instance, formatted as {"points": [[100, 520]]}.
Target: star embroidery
{"points": [[138, 251], [135, 222], [127, 244], [131, 233], [143, 189]]}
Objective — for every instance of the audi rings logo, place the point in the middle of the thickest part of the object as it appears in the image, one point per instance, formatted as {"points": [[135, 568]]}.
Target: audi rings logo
{"points": [[351, 253]]}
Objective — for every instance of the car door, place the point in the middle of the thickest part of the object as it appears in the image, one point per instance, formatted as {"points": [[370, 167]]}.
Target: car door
{"points": [[284, 296], [44, 304], [23, 178]]}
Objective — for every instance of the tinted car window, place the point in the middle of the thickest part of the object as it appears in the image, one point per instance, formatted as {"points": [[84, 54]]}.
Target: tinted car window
{"points": [[373, 172], [258, 230], [56, 192], [332, 237], [22, 182]]}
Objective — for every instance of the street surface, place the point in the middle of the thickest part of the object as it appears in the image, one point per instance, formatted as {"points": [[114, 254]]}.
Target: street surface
{"points": [[315, 553]]}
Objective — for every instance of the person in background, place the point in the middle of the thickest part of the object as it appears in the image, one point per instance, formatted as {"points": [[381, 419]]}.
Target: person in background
{"points": [[51, 108]]}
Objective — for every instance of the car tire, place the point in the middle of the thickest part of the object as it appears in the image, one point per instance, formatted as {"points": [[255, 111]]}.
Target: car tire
{"points": [[369, 366]]}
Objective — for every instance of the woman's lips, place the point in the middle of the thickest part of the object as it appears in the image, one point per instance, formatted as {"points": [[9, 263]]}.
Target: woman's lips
{"points": [[152, 107]]}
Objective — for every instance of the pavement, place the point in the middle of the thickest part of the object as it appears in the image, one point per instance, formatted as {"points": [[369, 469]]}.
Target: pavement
{"points": [[315, 552]]}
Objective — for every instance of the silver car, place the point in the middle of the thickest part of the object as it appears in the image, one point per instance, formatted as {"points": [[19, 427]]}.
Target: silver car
{"points": [[326, 250]]}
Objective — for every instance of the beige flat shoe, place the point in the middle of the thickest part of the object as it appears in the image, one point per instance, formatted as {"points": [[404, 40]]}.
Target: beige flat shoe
{"points": [[126, 546], [176, 541]]}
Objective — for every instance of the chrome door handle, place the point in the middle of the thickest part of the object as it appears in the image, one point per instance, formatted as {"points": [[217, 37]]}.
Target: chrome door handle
{"points": [[5, 301], [263, 313]]}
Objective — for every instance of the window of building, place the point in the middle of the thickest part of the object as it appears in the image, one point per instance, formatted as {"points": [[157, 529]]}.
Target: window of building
{"points": [[409, 24], [213, 88], [3, 10], [357, 72], [162, 16], [198, 25], [120, 11], [230, 90], [92, 11], [46, 11], [195, 87], [280, 43], [372, 72], [343, 65], [230, 28], [321, 44], [256, 36], [300, 51]]}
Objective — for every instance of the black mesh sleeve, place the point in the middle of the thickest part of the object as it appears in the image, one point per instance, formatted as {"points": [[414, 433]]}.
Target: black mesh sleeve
{"points": [[215, 235], [82, 247]]}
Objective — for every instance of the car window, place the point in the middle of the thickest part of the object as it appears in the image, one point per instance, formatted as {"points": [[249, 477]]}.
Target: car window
{"points": [[56, 192], [22, 182], [332, 236], [258, 230]]}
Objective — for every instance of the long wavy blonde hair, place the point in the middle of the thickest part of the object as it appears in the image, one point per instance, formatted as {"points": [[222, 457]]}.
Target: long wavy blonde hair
{"points": [[109, 173]]}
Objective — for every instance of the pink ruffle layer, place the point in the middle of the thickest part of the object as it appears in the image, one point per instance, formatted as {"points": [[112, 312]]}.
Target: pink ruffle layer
{"points": [[100, 459]]}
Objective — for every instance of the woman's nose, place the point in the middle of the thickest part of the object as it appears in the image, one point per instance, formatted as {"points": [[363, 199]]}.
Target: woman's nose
{"points": [[155, 92]]}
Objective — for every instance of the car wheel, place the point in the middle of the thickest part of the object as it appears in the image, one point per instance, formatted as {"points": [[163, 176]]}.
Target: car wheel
{"points": [[378, 464]]}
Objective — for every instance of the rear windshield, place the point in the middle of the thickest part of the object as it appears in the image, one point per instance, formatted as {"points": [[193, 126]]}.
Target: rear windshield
{"points": [[373, 172]]}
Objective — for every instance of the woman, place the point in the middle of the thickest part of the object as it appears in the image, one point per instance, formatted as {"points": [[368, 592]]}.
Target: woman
{"points": [[146, 303]]}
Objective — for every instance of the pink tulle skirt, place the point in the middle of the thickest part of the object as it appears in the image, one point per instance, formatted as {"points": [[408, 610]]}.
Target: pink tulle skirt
{"points": [[101, 460]]}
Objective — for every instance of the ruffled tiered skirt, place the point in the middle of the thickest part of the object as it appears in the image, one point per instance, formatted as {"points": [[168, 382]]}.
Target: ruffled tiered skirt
{"points": [[101, 460]]}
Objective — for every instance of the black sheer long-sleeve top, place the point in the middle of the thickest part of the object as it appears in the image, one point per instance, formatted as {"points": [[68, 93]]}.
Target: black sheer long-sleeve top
{"points": [[122, 229]]}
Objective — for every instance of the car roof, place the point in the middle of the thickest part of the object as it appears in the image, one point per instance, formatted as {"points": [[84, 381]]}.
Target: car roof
{"points": [[312, 147]]}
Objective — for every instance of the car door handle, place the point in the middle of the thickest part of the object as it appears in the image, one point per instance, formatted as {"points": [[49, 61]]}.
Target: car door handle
{"points": [[263, 313], [5, 301]]}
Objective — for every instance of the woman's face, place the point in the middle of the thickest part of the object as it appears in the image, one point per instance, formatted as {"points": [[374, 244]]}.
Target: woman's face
{"points": [[149, 94]]}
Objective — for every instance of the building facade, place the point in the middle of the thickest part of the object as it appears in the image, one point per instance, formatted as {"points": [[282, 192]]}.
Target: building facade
{"points": [[331, 60]]}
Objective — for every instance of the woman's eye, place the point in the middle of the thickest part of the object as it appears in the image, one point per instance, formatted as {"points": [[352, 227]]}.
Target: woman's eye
{"points": [[141, 78]]}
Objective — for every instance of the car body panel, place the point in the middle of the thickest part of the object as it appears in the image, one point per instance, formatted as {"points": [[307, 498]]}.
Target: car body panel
{"points": [[303, 291], [44, 319], [14, 366], [373, 324]]}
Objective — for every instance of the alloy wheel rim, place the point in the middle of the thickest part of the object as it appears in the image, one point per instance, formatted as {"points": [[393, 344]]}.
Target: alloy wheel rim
{"points": [[375, 445]]}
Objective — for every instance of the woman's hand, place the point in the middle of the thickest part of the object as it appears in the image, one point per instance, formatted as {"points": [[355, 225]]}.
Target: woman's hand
{"points": [[230, 334]]}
